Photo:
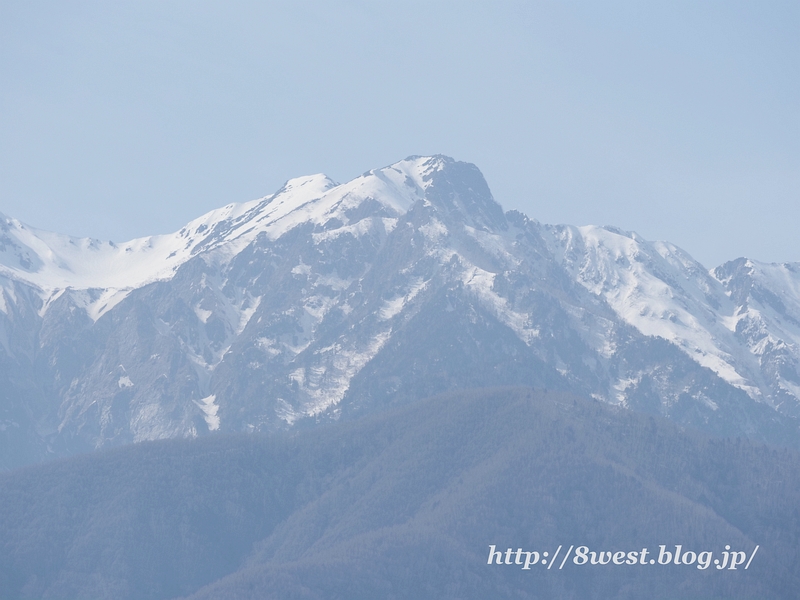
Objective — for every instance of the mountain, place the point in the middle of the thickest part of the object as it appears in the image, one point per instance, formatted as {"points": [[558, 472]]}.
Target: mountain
{"points": [[325, 302], [406, 503]]}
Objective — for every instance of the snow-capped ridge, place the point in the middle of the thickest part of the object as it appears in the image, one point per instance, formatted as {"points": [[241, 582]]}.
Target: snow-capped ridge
{"points": [[323, 299], [52, 262], [656, 287], [663, 292]]}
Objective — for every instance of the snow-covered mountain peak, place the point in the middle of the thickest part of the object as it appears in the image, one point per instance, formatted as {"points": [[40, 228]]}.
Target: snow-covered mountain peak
{"points": [[314, 185], [53, 262], [420, 169], [325, 299]]}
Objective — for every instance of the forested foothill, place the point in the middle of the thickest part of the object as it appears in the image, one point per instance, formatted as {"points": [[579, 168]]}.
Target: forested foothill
{"points": [[404, 504]]}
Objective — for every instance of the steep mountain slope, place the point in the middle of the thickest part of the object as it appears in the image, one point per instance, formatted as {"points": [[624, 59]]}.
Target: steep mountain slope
{"points": [[405, 504], [326, 301], [766, 321], [740, 320]]}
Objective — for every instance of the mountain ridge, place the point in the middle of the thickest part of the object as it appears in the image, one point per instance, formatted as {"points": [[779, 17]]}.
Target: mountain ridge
{"points": [[327, 300]]}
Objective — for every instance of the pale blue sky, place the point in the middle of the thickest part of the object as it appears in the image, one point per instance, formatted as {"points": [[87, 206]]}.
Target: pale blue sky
{"points": [[678, 120]]}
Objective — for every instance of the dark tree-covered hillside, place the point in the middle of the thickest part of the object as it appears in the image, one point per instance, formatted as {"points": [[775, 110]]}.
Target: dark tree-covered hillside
{"points": [[405, 504]]}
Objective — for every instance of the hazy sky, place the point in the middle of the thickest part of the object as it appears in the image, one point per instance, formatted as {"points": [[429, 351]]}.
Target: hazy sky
{"points": [[679, 120]]}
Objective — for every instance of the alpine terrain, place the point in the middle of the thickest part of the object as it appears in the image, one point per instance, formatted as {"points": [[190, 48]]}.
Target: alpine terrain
{"points": [[327, 301]]}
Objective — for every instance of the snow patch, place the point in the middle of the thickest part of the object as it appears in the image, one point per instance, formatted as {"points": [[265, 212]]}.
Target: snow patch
{"points": [[356, 230], [434, 231], [481, 282], [268, 345], [389, 224], [325, 384], [285, 412], [621, 388], [246, 313], [393, 307], [494, 244], [333, 282], [210, 409], [301, 269]]}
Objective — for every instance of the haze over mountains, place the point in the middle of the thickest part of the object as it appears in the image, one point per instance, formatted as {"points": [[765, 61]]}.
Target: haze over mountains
{"points": [[327, 301], [405, 504]]}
